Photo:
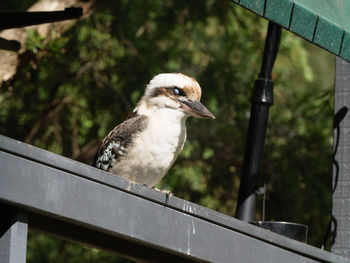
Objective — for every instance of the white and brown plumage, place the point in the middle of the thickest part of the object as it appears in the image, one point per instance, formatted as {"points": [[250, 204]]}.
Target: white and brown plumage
{"points": [[145, 146]]}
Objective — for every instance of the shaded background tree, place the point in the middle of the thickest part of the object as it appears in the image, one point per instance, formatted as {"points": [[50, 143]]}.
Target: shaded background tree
{"points": [[71, 89]]}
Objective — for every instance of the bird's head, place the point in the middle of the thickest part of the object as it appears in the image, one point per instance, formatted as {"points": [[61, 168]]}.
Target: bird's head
{"points": [[177, 92]]}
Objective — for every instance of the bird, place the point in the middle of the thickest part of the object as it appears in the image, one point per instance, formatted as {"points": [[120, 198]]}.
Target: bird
{"points": [[145, 146]]}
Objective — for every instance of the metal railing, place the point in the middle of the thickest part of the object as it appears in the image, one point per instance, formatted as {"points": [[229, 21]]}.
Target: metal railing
{"points": [[74, 201]]}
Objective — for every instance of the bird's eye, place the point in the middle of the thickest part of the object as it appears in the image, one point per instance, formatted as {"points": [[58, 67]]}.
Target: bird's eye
{"points": [[178, 92]]}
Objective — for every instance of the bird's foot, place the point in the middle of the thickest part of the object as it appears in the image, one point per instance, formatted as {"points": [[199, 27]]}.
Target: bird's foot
{"points": [[167, 192]]}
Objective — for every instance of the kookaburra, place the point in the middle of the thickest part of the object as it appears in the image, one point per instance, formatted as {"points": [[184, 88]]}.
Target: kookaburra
{"points": [[144, 147]]}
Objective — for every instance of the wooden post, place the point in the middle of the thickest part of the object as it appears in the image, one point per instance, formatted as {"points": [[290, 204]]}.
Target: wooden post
{"points": [[13, 235], [341, 162]]}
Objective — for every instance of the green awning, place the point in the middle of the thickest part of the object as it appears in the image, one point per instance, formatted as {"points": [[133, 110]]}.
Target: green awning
{"points": [[325, 23]]}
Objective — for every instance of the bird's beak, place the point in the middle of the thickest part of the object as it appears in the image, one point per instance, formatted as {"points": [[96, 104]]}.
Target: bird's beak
{"points": [[196, 109]]}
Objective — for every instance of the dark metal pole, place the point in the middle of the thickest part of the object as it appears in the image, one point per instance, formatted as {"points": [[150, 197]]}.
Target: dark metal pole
{"points": [[262, 99], [21, 19]]}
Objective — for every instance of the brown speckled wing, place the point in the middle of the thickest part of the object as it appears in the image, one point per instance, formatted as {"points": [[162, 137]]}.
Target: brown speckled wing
{"points": [[117, 141]]}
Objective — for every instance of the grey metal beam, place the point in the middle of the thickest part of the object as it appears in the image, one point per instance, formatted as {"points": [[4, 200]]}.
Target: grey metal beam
{"points": [[13, 235], [90, 237], [80, 196], [341, 162]]}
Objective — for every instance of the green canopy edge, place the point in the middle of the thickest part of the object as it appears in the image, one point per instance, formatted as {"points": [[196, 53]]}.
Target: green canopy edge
{"points": [[325, 23]]}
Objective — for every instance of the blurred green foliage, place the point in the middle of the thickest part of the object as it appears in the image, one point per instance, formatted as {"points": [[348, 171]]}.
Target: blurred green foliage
{"points": [[71, 89]]}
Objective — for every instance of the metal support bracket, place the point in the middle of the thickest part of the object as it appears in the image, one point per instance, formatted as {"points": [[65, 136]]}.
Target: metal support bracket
{"points": [[13, 235], [262, 99]]}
